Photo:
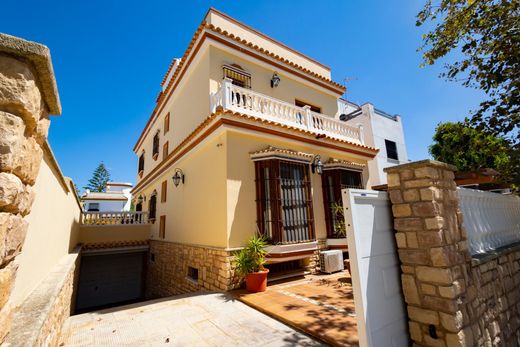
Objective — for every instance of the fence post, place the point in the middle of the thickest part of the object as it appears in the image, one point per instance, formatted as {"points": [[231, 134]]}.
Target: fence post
{"points": [[433, 252]]}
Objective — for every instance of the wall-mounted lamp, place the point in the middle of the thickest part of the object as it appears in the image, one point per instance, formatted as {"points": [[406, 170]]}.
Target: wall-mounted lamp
{"points": [[317, 165], [178, 177], [275, 80]]}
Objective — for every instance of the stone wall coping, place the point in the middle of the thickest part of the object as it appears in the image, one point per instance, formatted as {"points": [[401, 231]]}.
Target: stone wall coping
{"points": [[31, 315], [420, 163], [225, 249], [40, 57], [479, 259]]}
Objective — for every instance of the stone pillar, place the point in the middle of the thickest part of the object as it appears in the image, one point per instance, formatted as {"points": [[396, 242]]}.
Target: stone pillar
{"points": [[433, 251], [28, 94]]}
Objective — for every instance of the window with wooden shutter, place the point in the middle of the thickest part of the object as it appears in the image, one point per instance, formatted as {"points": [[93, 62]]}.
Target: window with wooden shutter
{"points": [[165, 150], [167, 123], [162, 227], [164, 191], [284, 204]]}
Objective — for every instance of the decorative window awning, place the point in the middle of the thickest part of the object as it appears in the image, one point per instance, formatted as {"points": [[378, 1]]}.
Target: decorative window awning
{"points": [[342, 164], [280, 153]]}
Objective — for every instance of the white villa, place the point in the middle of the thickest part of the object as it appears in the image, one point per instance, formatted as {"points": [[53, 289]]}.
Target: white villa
{"points": [[116, 198]]}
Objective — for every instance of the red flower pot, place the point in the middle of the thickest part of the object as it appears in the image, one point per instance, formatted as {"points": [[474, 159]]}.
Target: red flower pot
{"points": [[257, 281]]}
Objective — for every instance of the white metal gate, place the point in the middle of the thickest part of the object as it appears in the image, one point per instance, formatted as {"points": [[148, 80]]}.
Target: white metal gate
{"points": [[380, 309]]}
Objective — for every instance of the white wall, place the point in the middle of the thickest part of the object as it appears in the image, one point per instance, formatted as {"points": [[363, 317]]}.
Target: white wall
{"points": [[377, 128], [109, 205]]}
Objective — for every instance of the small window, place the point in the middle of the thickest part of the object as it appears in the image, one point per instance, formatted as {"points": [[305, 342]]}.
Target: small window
{"points": [[167, 123], [162, 227], [164, 191], [93, 206], [155, 153], [193, 273], [237, 75], [165, 150], [141, 164], [391, 150], [300, 103], [152, 207]]}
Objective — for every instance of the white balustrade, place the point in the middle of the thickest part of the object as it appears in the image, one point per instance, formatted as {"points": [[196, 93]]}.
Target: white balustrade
{"points": [[114, 218], [491, 220], [238, 99]]}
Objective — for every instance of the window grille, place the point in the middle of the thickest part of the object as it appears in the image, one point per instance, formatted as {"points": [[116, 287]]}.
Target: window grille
{"points": [[284, 205], [333, 181]]}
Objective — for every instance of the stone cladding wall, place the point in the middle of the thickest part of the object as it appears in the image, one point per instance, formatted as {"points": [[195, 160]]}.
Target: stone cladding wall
{"points": [[452, 299], [167, 270]]}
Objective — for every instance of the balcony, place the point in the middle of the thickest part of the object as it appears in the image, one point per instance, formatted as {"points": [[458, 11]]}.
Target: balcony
{"points": [[114, 228], [237, 99], [114, 218]]}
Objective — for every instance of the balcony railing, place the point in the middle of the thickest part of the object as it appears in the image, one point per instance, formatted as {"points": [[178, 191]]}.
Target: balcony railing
{"points": [[114, 218], [234, 98]]}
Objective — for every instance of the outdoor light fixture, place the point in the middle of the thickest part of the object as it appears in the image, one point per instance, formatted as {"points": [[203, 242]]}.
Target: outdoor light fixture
{"points": [[178, 177], [275, 80], [317, 165]]}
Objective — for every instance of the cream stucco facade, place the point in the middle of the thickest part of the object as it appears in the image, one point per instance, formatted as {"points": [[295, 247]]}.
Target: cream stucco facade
{"points": [[211, 134]]}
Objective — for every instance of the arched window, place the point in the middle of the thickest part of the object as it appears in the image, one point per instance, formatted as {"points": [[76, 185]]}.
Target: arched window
{"points": [[152, 207]]}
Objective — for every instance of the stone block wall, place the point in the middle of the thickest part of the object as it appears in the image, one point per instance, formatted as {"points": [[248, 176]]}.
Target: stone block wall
{"points": [[452, 299], [27, 96], [167, 269], [39, 320]]}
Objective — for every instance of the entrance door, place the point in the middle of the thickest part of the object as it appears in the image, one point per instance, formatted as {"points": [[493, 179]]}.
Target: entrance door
{"points": [[110, 279], [380, 308]]}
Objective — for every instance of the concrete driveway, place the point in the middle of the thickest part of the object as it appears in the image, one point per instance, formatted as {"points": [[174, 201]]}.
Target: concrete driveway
{"points": [[202, 319]]}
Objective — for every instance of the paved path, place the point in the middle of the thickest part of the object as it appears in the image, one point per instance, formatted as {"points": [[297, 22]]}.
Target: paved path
{"points": [[321, 305], [202, 319]]}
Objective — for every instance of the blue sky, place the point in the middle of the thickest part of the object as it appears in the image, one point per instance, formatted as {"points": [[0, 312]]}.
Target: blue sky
{"points": [[110, 57]]}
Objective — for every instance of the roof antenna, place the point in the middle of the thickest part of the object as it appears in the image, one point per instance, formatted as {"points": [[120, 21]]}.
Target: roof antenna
{"points": [[346, 81]]}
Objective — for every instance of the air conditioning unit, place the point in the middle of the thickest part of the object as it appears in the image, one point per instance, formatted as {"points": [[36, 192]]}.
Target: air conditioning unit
{"points": [[331, 261]]}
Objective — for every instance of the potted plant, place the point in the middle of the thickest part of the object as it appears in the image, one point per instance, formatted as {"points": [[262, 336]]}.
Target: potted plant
{"points": [[250, 264]]}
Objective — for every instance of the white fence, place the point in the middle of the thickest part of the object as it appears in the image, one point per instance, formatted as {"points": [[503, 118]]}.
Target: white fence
{"points": [[114, 218], [234, 98], [491, 220], [375, 265]]}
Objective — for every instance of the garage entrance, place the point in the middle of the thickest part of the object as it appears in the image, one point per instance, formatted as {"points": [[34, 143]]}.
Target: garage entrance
{"points": [[109, 278]]}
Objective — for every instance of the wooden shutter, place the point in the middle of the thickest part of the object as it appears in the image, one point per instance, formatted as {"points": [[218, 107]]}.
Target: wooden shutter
{"points": [[162, 227], [167, 123], [164, 191], [165, 150]]}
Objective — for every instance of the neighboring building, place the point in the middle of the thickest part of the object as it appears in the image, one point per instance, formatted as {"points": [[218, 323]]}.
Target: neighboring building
{"points": [[242, 127], [116, 198], [381, 130]]}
